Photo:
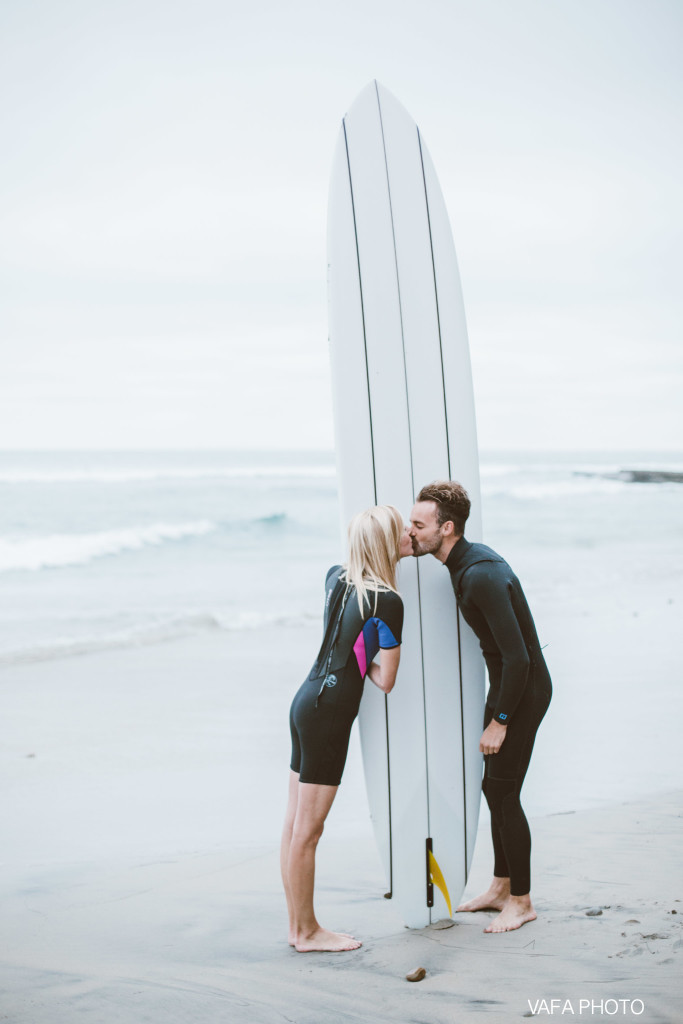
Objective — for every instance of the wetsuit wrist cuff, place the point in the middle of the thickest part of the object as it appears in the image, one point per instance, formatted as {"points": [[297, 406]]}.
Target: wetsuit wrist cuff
{"points": [[501, 717]]}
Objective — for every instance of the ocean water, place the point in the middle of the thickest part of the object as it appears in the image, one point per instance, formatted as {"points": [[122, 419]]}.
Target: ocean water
{"points": [[105, 550]]}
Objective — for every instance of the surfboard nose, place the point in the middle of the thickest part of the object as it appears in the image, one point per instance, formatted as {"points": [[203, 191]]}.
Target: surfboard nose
{"points": [[374, 93]]}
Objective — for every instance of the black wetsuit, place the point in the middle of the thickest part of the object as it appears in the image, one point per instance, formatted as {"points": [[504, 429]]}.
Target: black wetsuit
{"points": [[326, 704], [492, 602]]}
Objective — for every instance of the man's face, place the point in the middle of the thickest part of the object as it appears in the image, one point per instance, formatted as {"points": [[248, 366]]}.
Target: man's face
{"points": [[425, 533]]}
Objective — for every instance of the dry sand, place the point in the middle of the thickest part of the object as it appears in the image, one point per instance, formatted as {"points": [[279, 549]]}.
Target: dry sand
{"points": [[140, 874]]}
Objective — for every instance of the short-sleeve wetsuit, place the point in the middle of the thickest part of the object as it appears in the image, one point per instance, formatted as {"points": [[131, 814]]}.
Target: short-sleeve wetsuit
{"points": [[326, 704], [492, 602]]}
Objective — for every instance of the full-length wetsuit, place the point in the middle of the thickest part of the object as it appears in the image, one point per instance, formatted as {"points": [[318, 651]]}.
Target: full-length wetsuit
{"points": [[492, 602], [326, 704]]}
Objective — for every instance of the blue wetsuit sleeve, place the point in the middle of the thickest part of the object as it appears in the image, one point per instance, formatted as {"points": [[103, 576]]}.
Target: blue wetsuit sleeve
{"points": [[389, 620], [385, 638], [376, 635], [381, 630]]}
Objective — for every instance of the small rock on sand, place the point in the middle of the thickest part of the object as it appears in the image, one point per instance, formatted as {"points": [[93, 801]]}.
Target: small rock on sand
{"points": [[416, 975]]}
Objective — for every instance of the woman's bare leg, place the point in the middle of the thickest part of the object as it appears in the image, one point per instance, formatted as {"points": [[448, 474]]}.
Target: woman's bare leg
{"points": [[313, 803], [292, 802]]}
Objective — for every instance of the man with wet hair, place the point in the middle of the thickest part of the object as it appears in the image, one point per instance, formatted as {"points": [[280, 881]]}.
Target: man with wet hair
{"points": [[492, 602]]}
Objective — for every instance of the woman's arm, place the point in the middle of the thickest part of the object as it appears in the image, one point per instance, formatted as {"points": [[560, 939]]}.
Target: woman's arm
{"points": [[383, 674]]}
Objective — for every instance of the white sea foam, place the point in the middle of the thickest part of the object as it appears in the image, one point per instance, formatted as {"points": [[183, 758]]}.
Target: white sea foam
{"points": [[63, 549], [271, 542], [491, 469], [172, 628], [538, 490], [132, 474]]}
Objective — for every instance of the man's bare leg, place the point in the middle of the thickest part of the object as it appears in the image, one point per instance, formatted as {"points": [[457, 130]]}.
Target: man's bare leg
{"points": [[313, 804], [518, 910], [495, 897]]}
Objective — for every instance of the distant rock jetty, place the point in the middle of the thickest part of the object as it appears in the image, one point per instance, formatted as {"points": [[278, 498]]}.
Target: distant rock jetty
{"points": [[639, 476]]}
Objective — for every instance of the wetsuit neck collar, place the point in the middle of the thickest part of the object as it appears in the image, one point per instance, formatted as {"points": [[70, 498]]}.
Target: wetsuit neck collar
{"points": [[458, 555]]}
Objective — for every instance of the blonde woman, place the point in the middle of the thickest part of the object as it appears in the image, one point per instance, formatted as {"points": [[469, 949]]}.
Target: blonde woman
{"points": [[363, 616]]}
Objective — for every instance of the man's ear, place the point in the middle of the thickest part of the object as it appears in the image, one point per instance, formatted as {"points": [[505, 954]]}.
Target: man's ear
{"points": [[448, 528]]}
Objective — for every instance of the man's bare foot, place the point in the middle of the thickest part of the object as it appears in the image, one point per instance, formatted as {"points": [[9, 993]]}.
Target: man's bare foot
{"points": [[516, 912], [323, 941], [494, 898]]}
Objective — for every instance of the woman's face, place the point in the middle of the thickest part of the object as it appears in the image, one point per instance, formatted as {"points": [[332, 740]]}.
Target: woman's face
{"points": [[405, 548]]}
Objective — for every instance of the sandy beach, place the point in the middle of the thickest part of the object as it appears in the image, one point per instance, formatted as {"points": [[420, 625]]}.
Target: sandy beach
{"points": [[199, 937], [141, 817]]}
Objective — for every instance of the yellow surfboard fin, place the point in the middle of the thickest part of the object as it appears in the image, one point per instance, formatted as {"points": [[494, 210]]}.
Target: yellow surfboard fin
{"points": [[439, 881]]}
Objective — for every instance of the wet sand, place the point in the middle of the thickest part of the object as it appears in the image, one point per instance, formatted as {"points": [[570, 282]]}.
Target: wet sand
{"points": [[142, 802]]}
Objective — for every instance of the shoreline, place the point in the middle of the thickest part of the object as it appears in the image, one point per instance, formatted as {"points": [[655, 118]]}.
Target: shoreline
{"points": [[167, 729]]}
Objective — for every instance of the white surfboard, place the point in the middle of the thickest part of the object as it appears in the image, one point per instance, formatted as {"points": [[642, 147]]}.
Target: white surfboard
{"points": [[404, 416]]}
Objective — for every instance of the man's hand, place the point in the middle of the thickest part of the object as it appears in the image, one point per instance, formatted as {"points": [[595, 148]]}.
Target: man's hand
{"points": [[492, 738]]}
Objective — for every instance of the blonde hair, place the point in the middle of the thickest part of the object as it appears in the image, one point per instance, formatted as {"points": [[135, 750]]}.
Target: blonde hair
{"points": [[374, 544]]}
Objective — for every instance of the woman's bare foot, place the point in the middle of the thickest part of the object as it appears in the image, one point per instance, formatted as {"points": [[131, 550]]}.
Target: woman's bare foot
{"points": [[322, 941], [516, 912], [291, 938], [494, 898]]}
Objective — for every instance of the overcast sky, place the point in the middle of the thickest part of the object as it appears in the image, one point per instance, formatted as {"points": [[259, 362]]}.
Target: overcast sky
{"points": [[163, 213]]}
